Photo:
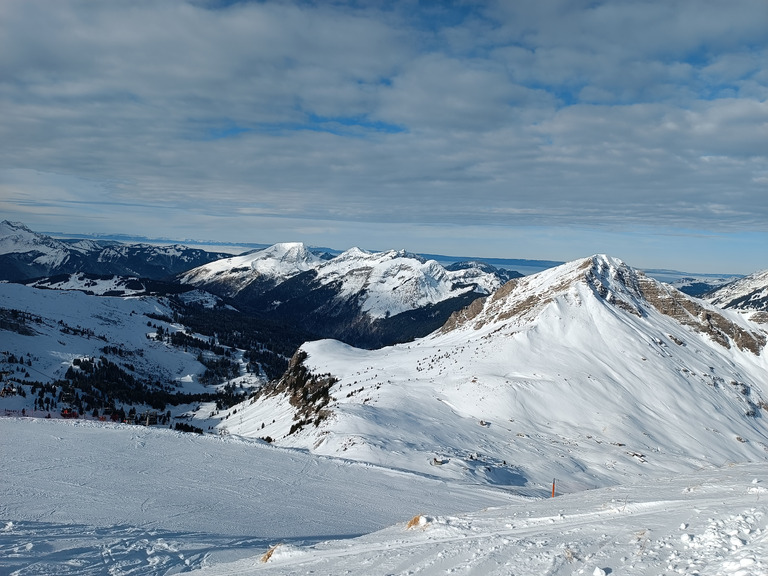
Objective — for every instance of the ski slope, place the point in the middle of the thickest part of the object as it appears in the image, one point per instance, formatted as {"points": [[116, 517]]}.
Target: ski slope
{"points": [[88, 498], [647, 407]]}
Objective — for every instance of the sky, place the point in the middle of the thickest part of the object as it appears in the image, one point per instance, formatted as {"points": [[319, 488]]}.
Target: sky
{"points": [[546, 130]]}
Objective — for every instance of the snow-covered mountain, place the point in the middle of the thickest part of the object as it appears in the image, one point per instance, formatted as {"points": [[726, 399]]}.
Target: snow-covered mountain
{"points": [[25, 254], [590, 372], [263, 268], [369, 298], [125, 348], [488, 278], [748, 294], [386, 283]]}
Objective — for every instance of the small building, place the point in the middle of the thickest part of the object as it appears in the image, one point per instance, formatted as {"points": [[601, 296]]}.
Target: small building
{"points": [[148, 418]]}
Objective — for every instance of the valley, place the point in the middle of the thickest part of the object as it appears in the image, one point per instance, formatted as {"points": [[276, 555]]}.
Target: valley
{"points": [[226, 425]]}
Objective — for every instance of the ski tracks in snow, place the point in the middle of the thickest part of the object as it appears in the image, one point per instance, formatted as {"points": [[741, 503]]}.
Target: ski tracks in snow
{"points": [[39, 548], [46, 549], [708, 536]]}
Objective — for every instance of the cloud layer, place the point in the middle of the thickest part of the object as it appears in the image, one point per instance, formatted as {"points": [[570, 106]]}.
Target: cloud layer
{"points": [[215, 118]]}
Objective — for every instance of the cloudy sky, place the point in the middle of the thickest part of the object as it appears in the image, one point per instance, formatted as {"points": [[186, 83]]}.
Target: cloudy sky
{"points": [[518, 129]]}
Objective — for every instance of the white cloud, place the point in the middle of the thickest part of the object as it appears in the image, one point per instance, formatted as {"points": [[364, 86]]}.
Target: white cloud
{"points": [[509, 113]]}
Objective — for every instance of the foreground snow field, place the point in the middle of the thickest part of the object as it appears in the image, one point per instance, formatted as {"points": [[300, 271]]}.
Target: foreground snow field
{"points": [[87, 498]]}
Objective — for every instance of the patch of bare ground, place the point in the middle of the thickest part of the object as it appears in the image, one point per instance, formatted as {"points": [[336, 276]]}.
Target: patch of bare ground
{"points": [[461, 317], [760, 317], [505, 304]]}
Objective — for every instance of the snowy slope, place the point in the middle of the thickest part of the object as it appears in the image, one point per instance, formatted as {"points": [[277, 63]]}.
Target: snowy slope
{"points": [[270, 266], [382, 283], [590, 372], [710, 522], [748, 294], [91, 499], [67, 325]]}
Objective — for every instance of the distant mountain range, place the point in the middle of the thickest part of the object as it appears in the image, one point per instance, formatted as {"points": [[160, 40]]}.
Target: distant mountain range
{"points": [[369, 299], [25, 255]]}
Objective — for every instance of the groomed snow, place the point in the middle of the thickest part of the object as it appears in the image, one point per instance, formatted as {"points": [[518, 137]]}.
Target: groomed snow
{"points": [[85, 498], [95, 498]]}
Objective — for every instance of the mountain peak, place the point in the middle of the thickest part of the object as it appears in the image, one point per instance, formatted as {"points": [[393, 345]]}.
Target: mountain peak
{"points": [[602, 280], [271, 265], [16, 237], [8, 226], [286, 249], [352, 253], [521, 299], [288, 253]]}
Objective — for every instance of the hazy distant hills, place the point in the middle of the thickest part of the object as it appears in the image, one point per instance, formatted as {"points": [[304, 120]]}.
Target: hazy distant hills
{"points": [[25, 254]]}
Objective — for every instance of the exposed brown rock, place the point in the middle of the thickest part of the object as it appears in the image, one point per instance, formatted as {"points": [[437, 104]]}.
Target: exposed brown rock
{"points": [[620, 286], [309, 393], [465, 314], [689, 312]]}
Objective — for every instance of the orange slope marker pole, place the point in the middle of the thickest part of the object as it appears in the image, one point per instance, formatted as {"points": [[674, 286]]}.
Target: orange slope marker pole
{"points": [[553, 487]]}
